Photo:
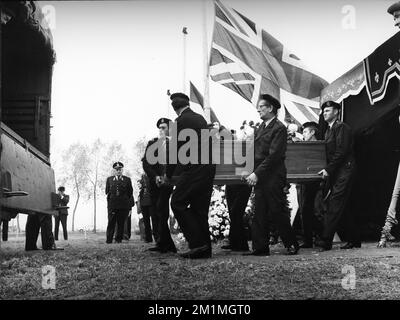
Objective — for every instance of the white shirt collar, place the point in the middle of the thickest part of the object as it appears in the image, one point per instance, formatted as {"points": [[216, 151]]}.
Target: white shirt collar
{"points": [[268, 121]]}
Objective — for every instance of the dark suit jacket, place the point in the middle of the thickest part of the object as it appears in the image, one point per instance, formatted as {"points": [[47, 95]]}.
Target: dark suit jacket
{"points": [[187, 120], [156, 169], [119, 193], [339, 147], [269, 150], [62, 202]]}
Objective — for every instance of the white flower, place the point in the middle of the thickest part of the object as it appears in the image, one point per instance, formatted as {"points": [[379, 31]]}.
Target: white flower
{"points": [[226, 233]]}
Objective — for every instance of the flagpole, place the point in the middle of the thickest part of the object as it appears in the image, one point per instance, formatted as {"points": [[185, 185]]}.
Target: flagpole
{"points": [[207, 111], [184, 33], [168, 101]]}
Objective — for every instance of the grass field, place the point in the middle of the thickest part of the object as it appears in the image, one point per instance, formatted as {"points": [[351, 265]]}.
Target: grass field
{"points": [[91, 269]]}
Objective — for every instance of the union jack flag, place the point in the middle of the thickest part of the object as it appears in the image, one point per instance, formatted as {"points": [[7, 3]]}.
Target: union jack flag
{"points": [[249, 61]]}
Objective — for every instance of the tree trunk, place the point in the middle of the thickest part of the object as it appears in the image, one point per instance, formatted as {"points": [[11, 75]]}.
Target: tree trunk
{"points": [[76, 204], [94, 199], [18, 227]]}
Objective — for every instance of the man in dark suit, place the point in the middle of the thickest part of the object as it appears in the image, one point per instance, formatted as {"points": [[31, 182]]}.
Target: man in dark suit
{"points": [[339, 174], [160, 190], [269, 180], [308, 194], [191, 197], [61, 201], [120, 200]]}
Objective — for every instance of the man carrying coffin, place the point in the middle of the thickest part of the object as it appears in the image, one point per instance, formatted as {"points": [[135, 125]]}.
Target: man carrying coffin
{"points": [[269, 180], [339, 174], [160, 191], [191, 197]]}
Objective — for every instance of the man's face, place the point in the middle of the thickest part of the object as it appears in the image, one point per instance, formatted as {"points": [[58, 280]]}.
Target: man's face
{"points": [[60, 192], [118, 171], [163, 130], [264, 109], [330, 114], [396, 17], [308, 133]]}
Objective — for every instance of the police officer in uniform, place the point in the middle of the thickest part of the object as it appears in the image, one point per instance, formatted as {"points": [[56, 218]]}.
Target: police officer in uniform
{"points": [[160, 190], [394, 10], [120, 200], [191, 197]]}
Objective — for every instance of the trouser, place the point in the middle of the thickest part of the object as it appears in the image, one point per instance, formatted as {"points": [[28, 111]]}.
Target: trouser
{"points": [[340, 191], [34, 223], [270, 204], [155, 193], [165, 240], [128, 227], [146, 222], [237, 197], [4, 229], [190, 203], [309, 221], [116, 216], [63, 219]]}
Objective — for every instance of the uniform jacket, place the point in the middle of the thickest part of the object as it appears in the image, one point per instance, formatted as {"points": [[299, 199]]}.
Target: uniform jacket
{"points": [[62, 202], [187, 120], [339, 147], [144, 193], [157, 169], [269, 150], [119, 193]]}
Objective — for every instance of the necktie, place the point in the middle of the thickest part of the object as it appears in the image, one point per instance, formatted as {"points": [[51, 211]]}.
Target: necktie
{"points": [[327, 133]]}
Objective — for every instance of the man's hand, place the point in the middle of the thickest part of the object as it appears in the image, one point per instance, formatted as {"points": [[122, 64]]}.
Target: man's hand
{"points": [[252, 179], [324, 174], [159, 181]]}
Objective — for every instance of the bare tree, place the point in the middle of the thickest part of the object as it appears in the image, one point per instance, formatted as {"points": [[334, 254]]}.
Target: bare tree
{"points": [[73, 172]]}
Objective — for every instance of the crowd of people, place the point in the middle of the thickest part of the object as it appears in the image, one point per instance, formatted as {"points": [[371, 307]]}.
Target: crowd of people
{"points": [[190, 199], [186, 187]]}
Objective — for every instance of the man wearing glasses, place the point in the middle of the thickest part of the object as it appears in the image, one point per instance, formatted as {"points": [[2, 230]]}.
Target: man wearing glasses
{"points": [[269, 180], [120, 200]]}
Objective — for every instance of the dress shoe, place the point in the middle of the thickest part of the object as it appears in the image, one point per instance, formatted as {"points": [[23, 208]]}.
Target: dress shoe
{"points": [[351, 245], [156, 248], [257, 253], [166, 250], [306, 245], [197, 253], [108, 242], [54, 248], [324, 245], [293, 249], [226, 247]]}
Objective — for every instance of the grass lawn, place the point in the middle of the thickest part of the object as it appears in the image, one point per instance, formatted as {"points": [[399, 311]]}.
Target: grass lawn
{"points": [[91, 269]]}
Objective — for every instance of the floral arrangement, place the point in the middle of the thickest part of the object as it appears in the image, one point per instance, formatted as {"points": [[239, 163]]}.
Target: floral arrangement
{"points": [[218, 218]]}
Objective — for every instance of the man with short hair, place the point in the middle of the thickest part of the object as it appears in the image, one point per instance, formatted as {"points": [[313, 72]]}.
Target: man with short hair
{"points": [[308, 193], [339, 173], [269, 180], [160, 190], [120, 200], [61, 201], [191, 197]]}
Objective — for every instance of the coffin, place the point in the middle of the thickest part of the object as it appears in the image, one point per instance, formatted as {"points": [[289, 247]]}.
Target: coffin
{"points": [[303, 161]]}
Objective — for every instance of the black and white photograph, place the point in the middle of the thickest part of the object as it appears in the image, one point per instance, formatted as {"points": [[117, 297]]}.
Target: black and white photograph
{"points": [[201, 155]]}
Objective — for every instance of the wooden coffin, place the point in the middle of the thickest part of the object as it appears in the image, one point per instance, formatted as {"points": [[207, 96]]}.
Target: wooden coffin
{"points": [[303, 161]]}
